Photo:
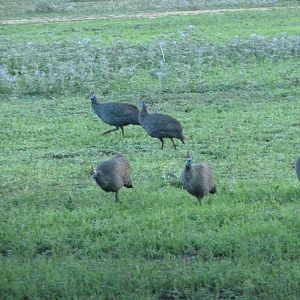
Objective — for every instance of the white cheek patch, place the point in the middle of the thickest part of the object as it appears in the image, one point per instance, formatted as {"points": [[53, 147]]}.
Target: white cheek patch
{"points": [[94, 175]]}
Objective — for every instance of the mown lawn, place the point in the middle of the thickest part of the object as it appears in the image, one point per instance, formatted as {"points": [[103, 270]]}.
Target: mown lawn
{"points": [[238, 102]]}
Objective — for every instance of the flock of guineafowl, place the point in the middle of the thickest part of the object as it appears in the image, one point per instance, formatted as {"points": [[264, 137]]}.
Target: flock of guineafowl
{"points": [[111, 175]]}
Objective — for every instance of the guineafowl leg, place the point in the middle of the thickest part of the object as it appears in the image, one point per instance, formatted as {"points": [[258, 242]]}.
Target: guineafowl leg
{"points": [[200, 202], [122, 129], [108, 131], [173, 143], [117, 197], [162, 143]]}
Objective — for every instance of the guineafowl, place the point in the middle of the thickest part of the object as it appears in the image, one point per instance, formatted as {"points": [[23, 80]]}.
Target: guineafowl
{"points": [[115, 113], [198, 179], [160, 126], [113, 174], [297, 167]]}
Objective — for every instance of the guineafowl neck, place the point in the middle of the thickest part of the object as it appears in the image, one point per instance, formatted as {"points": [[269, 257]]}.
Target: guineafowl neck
{"points": [[188, 172], [188, 168], [144, 111], [94, 101], [188, 164], [143, 114]]}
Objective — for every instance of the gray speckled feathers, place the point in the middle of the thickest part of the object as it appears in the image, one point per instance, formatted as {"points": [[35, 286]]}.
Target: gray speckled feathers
{"points": [[297, 167], [113, 174], [115, 113], [198, 178], [160, 126]]}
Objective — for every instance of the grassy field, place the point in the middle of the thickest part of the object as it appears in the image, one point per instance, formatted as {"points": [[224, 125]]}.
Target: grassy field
{"points": [[236, 91], [217, 28], [28, 9]]}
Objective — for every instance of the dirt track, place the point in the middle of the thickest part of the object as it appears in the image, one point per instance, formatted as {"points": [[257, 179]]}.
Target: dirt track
{"points": [[140, 15]]}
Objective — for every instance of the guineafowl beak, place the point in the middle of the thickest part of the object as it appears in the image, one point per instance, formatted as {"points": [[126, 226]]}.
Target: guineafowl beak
{"points": [[92, 173]]}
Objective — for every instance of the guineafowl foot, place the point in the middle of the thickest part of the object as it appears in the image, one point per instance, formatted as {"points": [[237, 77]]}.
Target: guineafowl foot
{"points": [[116, 197], [174, 145], [122, 129], [111, 130], [162, 143]]}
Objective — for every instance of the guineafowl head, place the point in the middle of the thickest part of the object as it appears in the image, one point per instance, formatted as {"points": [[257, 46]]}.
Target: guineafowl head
{"points": [[93, 173], [144, 107], [188, 160], [93, 97]]}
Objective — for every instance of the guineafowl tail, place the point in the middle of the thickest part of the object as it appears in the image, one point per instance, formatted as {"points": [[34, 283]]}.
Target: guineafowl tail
{"points": [[297, 167], [213, 190], [129, 185]]}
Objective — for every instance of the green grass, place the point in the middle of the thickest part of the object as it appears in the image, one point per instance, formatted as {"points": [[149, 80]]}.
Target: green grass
{"points": [[215, 28], [63, 237], [18, 9]]}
